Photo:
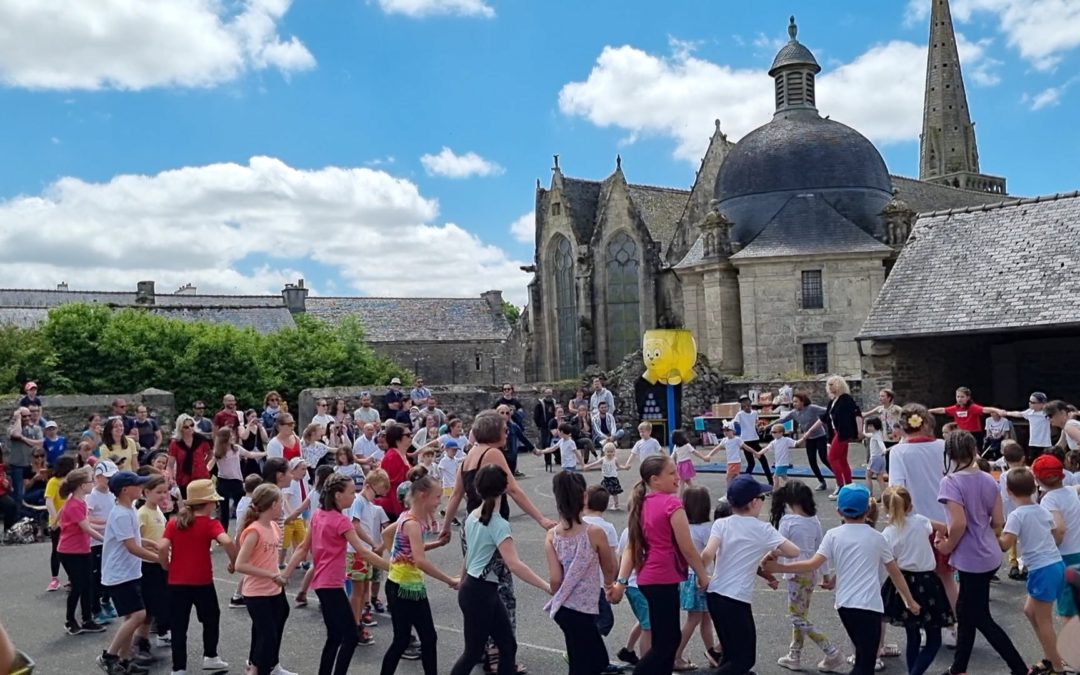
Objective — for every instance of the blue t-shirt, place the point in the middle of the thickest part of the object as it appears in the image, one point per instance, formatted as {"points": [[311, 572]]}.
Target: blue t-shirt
{"points": [[483, 541], [54, 449]]}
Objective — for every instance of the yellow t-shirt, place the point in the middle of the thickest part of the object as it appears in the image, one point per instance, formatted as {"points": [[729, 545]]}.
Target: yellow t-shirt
{"points": [[151, 522], [129, 453], [52, 491]]}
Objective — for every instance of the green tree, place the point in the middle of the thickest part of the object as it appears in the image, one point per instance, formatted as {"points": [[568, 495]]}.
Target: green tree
{"points": [[512, 311]]}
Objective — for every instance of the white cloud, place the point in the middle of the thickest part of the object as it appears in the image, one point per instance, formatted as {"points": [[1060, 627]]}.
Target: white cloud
{"points": [[524, 228], [978, 66], [451, 165], [209, 225], [419, 9], [119, 44], [1046, 98]]}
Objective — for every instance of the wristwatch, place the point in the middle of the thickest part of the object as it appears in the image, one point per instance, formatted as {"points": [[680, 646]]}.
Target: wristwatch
{"points": [[622, 580]]}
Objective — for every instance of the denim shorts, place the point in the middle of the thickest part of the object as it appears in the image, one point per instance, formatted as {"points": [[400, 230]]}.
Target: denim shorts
{"points": [[877, 464], [1044, 584], [782, 471], [640, 607]]}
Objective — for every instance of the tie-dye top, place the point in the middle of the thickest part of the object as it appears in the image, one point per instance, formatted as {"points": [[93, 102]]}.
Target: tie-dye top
{"points": [[580, 589], [403, 571]]}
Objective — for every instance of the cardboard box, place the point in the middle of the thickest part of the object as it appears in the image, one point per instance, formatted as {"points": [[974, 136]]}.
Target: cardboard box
{"points": [[725, 410]]}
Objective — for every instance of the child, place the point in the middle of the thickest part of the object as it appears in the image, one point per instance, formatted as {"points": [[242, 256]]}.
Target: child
{"points": [[1037, 531], [596, 502], [781, 445], [736, 547], [184, 553], [998, 429], [1038, 425], [322, 473], [684, 454], [427, 460], [154, 579], [609, 468], [367, 518], [875, 468], [734, 447], [122, 551], [645, 447], [642, 629], [908, 535], [746, 420], [966, 414], [857, 553], [330, 531], [99, 503], [696, 501], [74, 550], [448, 468], [251, 483], [566, 447], [574, 551], [53, 503], [297, 502], [346, 465], [802, 528], [1064, 505], [1013, 454], [264, 586], [405, 590], [160, 462]]}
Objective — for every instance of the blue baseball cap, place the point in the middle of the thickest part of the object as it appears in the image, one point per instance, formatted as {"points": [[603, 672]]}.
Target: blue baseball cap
{"points": [[451, 443], [123, 479], [743, 489], [853, 500]]}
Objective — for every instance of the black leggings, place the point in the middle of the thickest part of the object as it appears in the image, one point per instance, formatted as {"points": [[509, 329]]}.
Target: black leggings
{"points": [[341, 631], [155, 592], [864, 628], [231, 490], [664, 608], [734, 623], [78, 567], [204, 600], [101, 593], [585, 651], [973, 613], [818, 448], [484, 615], [751, 462], [9, 511], [268, 615], [405, 615], [920, 658], [54, 558]]}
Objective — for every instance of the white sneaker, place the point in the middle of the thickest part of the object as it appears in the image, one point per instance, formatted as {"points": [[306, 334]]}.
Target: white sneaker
{"points": [[949, 638], [161, 640], [214, 663], [834, 494], [179, 672], [878, 663], [832, 663], [278, 670], [790, 661]]}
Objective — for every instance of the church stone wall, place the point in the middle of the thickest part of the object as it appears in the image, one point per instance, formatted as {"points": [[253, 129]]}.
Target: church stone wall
{"points": [[456, 362]]}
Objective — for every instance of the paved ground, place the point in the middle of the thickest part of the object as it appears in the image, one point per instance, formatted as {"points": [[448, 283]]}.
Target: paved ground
{"points": [[35, 618]]}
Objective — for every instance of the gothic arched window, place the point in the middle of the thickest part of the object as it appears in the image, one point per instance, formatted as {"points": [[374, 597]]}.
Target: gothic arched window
{"points": [[565, 308], [623, 298]]}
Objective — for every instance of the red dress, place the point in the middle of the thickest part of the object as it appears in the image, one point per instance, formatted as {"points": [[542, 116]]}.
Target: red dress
{"points": [[179, 450], [397, 468]]}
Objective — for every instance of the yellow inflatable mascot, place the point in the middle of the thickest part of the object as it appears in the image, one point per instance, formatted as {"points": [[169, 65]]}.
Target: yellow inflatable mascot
{"points": [[669, 356]]}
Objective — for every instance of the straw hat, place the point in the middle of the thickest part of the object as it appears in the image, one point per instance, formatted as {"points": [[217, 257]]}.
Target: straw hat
{"points": [[201, 492]]}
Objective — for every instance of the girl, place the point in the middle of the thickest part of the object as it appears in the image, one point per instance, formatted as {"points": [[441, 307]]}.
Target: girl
{"points": [[230, 479], [184, 553], [326, 540], [574, 551], [660, 549], [484, 614], [321, 474], [74, 550], [781, 446], [312, 447], [875, 467], [697, 502], [405, 590], [154, 578], [345, 464], [802, 528], [54, 502], [684, 454], [908, 535], [160, 462], [733, 448], [264, 586], [609, 467]]}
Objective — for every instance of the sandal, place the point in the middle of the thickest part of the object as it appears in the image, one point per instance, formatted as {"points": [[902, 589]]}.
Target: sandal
{"points": [[491, 661], [682, 666], [714, 657], [890, 650]]}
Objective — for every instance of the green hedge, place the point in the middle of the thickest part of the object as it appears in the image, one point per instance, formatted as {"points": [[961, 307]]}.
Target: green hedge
{"points": [[88, 349]]}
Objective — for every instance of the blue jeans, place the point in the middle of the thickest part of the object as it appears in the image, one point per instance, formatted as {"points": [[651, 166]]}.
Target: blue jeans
{"points": [[16, 474], [605, 620]]}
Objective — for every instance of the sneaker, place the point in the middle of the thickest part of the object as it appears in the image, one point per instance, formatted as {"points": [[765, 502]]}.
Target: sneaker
{"points": [[832, 663], [414, 642], [278, 670], [367, 620], [627, 656], [54, 585], [214, 663], [1014, 573], [108, 609], [948, 638], [365, 636], [306, 565], [411, 653], [161, 641], [833, 495], [379, 607], [92, 627], [102, 618], [109, 664], [878, 663], [519, 474], [791, 661], [236, 602], [822, 487], [301, 599], [179, 672], [72, 628], [132, 668]]}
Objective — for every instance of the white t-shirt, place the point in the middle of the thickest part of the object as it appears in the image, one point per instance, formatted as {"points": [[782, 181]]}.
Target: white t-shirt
{"points": [[609, 530], [352, 471], [371, 516], [858, 554], [568, 453], [98, 507], [910, 544], [364, 447], [1071, 478], [325, 420], [367, 415], [744, 541], [1073, 444], [919, 467], [624, 541], [733, 447], [997, 428], [699, 534], [241, 510], [646, 447], [448, 468], [1038, 428], [1007, 504], [609, 468], [747, 422], [119, 565], [1033, 525], [1066, 502], [782, 448], [293, 497], [877, 444], [683, 453]]}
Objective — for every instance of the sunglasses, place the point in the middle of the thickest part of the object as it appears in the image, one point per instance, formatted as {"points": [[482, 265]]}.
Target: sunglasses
{"points": [[287, 424], [188, 426], [322, 405], [760, 498], [37, 455], [200, 407]]}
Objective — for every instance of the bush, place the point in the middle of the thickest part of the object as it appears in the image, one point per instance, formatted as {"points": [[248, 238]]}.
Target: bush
{"points": [[93, 349]]}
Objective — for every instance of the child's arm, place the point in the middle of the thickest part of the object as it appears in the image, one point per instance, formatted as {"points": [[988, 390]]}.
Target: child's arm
{"points": [[555, 570], [1060, 527], [86, 527], [901, 586], [762, 452], [939, 527], [545, 451], [420, 559], [595, 464], [577, 454], [809, 565], [957, 526], [937, 411], [369, 556], [704, 456], [300, 510], [517, 566], [603, 550], [362, 532], [226, 542], [1006, 540]]}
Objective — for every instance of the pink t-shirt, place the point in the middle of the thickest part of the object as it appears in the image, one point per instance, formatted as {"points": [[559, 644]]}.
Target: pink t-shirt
{"points": [[664, 563], [328, 530], [72, 537]]}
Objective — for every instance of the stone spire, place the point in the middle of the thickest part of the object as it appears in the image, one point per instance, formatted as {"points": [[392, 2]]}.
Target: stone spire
{"points": [[948, 151]]}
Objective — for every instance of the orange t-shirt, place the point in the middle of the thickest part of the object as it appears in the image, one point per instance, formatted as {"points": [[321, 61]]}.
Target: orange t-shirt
{"points": [[265, 556]]}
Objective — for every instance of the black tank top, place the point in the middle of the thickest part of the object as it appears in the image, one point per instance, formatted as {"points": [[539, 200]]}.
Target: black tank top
{"points": [[472, 499]]}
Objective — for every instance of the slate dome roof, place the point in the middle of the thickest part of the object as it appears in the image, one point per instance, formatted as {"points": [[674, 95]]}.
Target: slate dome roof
{"points": [[794, 52]]}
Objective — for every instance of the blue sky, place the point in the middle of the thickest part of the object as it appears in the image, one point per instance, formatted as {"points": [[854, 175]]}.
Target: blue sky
{"points": [[130, 151]]}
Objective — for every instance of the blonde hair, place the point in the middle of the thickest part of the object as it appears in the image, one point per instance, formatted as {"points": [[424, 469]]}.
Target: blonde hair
{"points": [[645, 425], [838, 384], [377, 477], [180, 420], [897, 502], [309, 436], [613, 447]]}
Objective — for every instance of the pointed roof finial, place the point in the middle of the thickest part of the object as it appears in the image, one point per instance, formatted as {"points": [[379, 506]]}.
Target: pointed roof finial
{"points": [[618, 161], [792, 29]]}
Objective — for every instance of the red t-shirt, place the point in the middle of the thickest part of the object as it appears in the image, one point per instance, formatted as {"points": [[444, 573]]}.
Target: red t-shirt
{"points": [[190, 564], [179, 451], [72, 537], [968, 418], [226, 418], [397, 468]]}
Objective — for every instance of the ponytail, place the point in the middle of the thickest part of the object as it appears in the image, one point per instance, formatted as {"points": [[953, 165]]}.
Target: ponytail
{"points": [[186, 517], [897, 501], [490, 483], [262, 500], [636, 540], [222, 442]]}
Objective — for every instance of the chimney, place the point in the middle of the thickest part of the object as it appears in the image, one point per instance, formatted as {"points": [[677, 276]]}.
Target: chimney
{"points": [[186, 289], [144, 293], [494, 300], [62, 286], [295, 296]]}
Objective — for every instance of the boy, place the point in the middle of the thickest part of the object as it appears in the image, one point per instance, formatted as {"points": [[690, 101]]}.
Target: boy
{"points": [[122, 555], [55, 445], [1038, 534], [746, 420], [448, 467], [297, 501], [645, 447], [966, 414], [250, 483], [427, 460], [1064, 505], [571, 456], [1013, 455], [99, 504], [596, 502], [367, 518], [781, 445], [733, 445], [875, 468]]}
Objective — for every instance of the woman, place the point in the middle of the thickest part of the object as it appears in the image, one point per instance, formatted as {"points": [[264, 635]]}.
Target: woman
{"points": [[428, 432], [322, 414], [396, 466], [253, 438], [342, 419], [189, 454], [843, 424], [489, 436], [889, 413], [1058, 413], [92, 432], [805, 414], [271, 410], [285, 443], [119, 445], [579, 401], [148, 430]]}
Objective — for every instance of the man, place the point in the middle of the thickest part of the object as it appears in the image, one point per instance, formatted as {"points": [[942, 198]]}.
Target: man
{"points": [[543, 414], [365, 447], [419, 394], [392, 397], [403, 415], [31, 397], [366, 414], [35, 416], [25, 439], [119, 409], [515, 439], [603, 427], [228, 416], [432, 410], [203, 425], [601, 395], [508, 398], [149, 431]]}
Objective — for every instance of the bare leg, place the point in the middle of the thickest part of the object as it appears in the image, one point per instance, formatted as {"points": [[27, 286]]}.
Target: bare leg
{"points": [[1041, 616]]}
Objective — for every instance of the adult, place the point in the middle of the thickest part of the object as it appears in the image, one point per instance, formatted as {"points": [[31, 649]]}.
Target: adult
{"points": [[601, 394], [149, 431], [92, 430], [396, 466], [119, 408], [365, 447], [510, 398], [419, 393], [117, 444], [339, 410], [805, 414], [23, 445], [1058, 414], [203, 424], [580, 400], [31, 396], [253, 438], [973, 512], [746, 420], [271, 410], [516, 440], [432, 409], [604, 426], [37, 420], [888, 411], [366, 413], [454, 432], [489, 432], [429, 431], [228, 416], [285, 443], [189, 454], [843, 424], [543, 414], [392, 397], [322, 414], [407, 414]]}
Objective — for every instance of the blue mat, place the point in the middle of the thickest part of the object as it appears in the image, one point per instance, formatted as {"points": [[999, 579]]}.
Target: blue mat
{"points": [[795, 471]]}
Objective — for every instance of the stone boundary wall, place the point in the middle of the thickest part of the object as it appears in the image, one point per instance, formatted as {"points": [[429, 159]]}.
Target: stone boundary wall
{"points": [[71, 411]]}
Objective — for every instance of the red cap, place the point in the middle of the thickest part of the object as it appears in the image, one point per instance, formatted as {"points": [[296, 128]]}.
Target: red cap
{"points": [[29, 386], [1048, 468]]}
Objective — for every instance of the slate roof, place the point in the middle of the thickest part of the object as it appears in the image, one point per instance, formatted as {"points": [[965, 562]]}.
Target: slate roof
{"points": [[661, 209], [1000, 267], [794, 53], [416, 319], [582, 198], [786, 233], [695, 256], [924, 197]]}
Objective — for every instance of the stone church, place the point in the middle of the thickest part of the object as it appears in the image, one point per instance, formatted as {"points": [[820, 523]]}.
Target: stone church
{"points": [[775, 255]]}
